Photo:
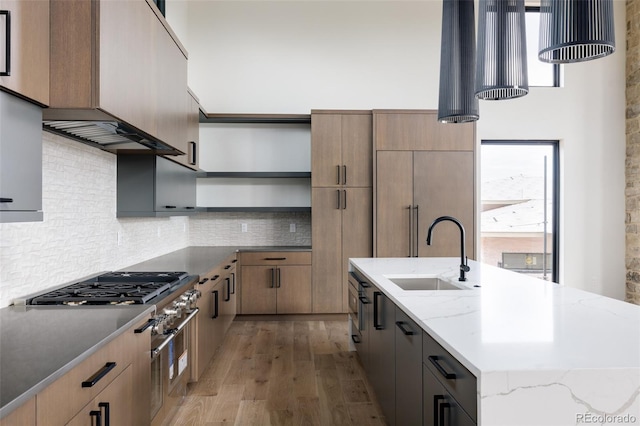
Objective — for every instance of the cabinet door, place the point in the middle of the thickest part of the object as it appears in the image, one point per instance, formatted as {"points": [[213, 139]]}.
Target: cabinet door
{"points": [[381, 347], [326, 147], [293, 289], [25, 415], [357, 150], [326, 233], [444, 186], [439, 407], [114, 402], [357, 230], [127, 86], [394, 199], [29, 48], [408, 370], [258, 290], [21, 159]]}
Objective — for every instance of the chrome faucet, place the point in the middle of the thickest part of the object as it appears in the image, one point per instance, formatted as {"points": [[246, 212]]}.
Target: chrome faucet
{"points": [[464, 267]]}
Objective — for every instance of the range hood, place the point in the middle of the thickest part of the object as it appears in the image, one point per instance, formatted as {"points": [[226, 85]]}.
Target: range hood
{"points": [[112, 136]]}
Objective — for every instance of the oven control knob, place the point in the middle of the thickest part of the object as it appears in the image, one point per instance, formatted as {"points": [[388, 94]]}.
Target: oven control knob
{"points": [[171, 314], [158, 326], [180, 306]]}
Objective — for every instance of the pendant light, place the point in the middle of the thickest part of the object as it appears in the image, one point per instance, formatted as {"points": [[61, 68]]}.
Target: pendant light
{"points": [[501, 71], [457, 101], [576, 30]]}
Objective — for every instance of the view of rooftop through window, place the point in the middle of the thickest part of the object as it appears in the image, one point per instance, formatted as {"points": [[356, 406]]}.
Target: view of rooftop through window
{"points": [[518, 228]]}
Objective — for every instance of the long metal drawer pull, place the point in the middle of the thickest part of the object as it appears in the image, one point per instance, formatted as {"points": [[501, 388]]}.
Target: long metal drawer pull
{"points": [[344, 175], [98, 415], [376, 306], [144, 327], [227, 267], [233, 281], [215, 304], [215, 277], [337, 199], [338, 174], [178, 329], [440, 368], [437, 399], [278, 283], [406, 332], [7, 44], [275, 258], [345, 199], [105, 405], [273, 277], [169, 207], [364, 300], [90, 382], [204, 280], [355, 338], [228, 296], [443, 406], [410, 231], [192, 151], [417, 231], [6, 200]]}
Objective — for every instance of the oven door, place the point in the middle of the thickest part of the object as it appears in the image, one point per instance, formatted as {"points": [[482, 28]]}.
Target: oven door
{"points": [[171, 357]]}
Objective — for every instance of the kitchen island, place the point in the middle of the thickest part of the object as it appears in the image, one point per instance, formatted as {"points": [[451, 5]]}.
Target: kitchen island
{"points": [[542, 353]]}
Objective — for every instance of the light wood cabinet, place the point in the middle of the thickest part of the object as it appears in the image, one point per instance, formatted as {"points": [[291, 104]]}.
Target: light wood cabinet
{"points": [[115, 402], [24, 69], [118, 61], [25, 415], [190, 145], [341, 200], [116, 372], [275, 283], [229, 293], [413, 187]]}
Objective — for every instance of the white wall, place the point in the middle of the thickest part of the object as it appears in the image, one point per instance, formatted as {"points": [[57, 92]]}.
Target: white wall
{"points": [[291, 57]]}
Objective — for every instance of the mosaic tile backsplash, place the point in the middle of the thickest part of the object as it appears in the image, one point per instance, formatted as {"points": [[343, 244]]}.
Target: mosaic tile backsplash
{"points": [[80, 234]]}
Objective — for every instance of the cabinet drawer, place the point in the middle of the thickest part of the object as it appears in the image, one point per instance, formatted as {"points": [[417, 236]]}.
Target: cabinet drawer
{"points": [[218, 271], [276, 258], [60, 401], [461, 383]]}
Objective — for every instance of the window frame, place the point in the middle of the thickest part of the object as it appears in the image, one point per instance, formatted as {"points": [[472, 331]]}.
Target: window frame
{"points": [[555, 184], [556, 67]]}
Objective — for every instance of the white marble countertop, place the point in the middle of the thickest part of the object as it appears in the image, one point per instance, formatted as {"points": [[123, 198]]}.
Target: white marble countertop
{"points": [[525, 338]]}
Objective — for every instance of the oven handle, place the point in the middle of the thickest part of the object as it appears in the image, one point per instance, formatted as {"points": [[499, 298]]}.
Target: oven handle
{"points": [[173, 333]]}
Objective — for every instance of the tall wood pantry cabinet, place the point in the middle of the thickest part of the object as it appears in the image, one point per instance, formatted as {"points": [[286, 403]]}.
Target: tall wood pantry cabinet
{"points": [[423, 170], [341, 199]]}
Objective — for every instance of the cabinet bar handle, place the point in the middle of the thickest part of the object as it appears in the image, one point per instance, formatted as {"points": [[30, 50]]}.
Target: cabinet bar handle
{"points": [[190, 208], [364, 300], [204, 280], [233, 282], [228, 297], [144, 327], [355, 338], [6, 200], [345, 199], [90, 382], [227, 267], [7, 47], [444, 406], [417, 231], [215, 277], [215, 304], [234, 260], [192, 151], [437, 399], [434, 360], [278, 283], [273, 277], [338, 174], [98, 415], [337, 199], [376, 306], [410, 231], [344, 175], [275, 258], [105, 405], [169, 207], [406, 331]]}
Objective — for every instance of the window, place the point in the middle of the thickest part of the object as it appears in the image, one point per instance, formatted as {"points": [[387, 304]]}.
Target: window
{"points": [[540, 73], [520, 207]]}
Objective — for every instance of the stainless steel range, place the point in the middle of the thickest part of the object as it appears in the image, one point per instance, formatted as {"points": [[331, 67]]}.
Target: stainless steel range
{"points": [[174, 295]]}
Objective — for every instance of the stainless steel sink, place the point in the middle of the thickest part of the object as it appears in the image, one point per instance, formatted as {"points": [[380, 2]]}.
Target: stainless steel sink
{"points": [[423, 283]]}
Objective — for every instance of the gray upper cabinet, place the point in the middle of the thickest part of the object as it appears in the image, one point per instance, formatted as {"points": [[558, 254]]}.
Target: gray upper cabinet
{"points": [[20, 160], [154, 186]]}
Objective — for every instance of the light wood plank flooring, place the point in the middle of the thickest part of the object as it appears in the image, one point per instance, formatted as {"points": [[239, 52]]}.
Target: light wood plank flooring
{"points": [[282, 373]]}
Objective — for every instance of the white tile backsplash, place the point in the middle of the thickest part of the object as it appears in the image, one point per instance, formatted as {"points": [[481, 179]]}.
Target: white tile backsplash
{"points": [[80, 234]]}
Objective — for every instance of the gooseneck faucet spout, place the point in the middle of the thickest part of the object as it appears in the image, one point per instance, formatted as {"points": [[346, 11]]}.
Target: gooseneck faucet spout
{"points": [[464, 267]]}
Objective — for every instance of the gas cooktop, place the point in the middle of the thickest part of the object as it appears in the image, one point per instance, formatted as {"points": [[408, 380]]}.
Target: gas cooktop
{"points": [[118, 288]]}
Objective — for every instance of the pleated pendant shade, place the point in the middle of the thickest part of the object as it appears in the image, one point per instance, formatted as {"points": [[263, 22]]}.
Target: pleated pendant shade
{"points": [[501, 63], [576, 30], [457, 101]]}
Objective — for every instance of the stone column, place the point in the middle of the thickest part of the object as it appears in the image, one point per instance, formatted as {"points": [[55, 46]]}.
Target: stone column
{"points": [[633, 152]]}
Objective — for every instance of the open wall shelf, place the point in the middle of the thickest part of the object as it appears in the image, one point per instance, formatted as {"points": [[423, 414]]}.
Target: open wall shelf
{"points": [[255, 209], [254, 175]]}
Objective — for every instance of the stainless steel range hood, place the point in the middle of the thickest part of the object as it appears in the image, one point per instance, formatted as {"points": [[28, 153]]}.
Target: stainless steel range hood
{"points": [[112, 136]]}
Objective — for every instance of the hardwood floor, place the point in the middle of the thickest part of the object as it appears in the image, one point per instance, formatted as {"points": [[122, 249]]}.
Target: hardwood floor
{"points": [[282, 373]]}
